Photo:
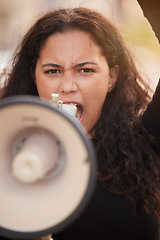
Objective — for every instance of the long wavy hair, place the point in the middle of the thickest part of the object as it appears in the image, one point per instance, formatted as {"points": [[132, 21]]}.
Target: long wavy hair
{"points": [[127, 163]]}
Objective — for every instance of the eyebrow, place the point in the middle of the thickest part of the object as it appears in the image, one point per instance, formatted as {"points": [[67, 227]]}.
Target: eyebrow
{"points": [[51, 65], [85, 63], [76, 65]]}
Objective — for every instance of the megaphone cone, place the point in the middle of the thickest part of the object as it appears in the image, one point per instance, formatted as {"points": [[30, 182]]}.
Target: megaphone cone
{"points": [[47, 168]]}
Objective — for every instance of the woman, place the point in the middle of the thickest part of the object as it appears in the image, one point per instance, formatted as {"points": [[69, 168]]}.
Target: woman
{"points": [[80, 55]]}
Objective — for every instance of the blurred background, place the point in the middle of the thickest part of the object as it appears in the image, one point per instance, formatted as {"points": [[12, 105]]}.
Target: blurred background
{"points": [[16, 16]]}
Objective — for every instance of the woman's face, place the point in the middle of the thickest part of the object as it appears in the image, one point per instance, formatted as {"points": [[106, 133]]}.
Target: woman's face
{"points": [[72, 65]]}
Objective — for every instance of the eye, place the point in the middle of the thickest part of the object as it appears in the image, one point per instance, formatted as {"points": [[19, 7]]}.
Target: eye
{"points": [[86, 70], [52, 71]]}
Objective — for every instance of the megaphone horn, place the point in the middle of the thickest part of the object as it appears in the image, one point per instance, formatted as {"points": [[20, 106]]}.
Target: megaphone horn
{"points": [[47, 168]]}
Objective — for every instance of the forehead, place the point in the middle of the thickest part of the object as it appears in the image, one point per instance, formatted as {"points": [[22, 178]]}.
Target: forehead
{"points": [[70, 49], [72, 34], [75, 40]]}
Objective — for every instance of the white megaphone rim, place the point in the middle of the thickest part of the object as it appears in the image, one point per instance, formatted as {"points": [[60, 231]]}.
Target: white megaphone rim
{"points": [[34, 100]]}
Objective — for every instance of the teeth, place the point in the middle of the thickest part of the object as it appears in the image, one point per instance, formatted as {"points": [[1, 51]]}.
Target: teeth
{"points": [[72, 104]]}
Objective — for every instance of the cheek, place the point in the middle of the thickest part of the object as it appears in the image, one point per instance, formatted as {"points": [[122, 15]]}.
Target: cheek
{"points": [[97, 109], [98, 95], [44, 88], [94, 110], [91, 118]]}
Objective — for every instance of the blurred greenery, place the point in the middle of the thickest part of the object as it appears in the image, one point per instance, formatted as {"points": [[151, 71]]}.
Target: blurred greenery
{"points": [[141, 34]]}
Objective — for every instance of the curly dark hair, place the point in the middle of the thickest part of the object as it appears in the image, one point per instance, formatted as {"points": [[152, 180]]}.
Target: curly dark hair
{"points": [[128, 164]]}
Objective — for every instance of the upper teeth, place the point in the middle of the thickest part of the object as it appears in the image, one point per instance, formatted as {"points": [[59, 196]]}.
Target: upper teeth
{"points": [[73, 104]]}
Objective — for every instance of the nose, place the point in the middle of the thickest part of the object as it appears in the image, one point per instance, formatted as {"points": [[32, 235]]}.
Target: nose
{"points": [[67, 84]]}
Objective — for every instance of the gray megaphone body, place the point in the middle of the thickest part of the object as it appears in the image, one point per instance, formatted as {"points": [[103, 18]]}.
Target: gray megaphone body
{"points": [[47, 168]]}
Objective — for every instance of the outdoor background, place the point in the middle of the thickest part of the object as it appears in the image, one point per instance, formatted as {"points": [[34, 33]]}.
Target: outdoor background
{"points": [[16, 16]]}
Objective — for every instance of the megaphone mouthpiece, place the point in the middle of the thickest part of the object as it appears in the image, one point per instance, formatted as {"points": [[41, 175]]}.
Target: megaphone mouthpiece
{"points": [[70, 108], [39, 154]]}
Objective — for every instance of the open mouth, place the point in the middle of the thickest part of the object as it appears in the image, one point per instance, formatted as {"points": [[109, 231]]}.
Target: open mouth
{"points": [[73, 108], [79, 112]]}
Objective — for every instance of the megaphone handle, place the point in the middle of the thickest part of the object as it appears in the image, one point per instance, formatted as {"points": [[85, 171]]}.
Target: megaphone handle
{"points": [[47, 237]]}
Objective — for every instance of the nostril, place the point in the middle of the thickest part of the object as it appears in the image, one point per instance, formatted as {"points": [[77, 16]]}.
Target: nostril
{"points": [[67, 86]]}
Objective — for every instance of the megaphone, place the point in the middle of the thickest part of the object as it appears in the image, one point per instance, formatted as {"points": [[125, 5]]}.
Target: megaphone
{"points": [[47, 168]]}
